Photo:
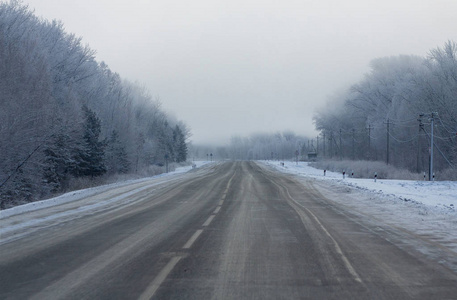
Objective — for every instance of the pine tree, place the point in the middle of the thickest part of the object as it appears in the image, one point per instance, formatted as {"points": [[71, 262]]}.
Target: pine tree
{"points": [[180, 147], [116, 155], [89, 156], [57, 162]]}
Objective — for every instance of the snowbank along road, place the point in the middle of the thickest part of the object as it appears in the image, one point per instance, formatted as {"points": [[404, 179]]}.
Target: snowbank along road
{"points": [[235, 230]]}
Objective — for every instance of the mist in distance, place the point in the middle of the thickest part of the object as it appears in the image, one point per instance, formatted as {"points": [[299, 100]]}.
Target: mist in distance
{"points": [[240, 67]]}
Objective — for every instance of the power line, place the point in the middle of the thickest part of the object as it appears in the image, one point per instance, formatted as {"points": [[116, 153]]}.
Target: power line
{"points": [[403, 121], [400, 141], [450, 164], [444, 126]]}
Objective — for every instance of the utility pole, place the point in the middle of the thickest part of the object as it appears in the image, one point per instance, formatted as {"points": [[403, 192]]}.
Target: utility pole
{"points": [[418, 159], [324, 146], [331, 144], [432, 119], [317, 145], [369, 142], [341, 147], [388, 135], [353, 144]]}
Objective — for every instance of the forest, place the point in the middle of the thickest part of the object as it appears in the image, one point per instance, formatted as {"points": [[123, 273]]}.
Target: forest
{"points": [[258, 146], [391, 114], [386, 117], [66, 119]]}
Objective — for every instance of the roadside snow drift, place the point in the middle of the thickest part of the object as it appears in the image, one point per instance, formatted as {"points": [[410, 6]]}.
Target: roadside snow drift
{"points": [[437, 194]]}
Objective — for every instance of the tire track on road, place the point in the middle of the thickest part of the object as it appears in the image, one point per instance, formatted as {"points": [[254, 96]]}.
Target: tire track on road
{"points": [[304, 214], [163, 274]]}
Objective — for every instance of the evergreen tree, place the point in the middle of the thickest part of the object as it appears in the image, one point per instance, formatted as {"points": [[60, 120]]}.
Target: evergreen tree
{"points": [[163, 144], [46, 74], [89, 156], [116, 155], [57, 162], [180, 147]]}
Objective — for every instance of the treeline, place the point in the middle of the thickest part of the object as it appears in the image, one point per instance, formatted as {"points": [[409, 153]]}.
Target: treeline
{"points": [[65, 116], [387, 116], [259, 146]]}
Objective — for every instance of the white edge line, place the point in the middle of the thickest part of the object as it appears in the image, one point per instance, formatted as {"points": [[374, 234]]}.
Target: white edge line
{"points": [[346, 261], [349, 266]]}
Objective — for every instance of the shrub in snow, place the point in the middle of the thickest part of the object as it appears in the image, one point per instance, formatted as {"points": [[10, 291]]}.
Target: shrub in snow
{"points": [[366, 169]]}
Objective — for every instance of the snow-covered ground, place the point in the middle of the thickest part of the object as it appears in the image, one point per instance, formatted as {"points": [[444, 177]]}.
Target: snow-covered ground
{"points": [[81, 194], [426, 210], [437, 194], [25, 219]]}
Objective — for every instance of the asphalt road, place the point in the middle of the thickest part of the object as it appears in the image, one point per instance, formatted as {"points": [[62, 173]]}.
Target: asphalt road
{"points": [[233, 231]]}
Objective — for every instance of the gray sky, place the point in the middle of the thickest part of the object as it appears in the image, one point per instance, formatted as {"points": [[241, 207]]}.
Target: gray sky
{"points": [[238, 66]]}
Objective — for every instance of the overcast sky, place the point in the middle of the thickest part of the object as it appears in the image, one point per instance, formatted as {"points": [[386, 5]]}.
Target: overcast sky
{"points": [[236, 67]]}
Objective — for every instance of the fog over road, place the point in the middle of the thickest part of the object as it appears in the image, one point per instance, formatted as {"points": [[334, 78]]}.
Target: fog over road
{"points": [[234, 230]]}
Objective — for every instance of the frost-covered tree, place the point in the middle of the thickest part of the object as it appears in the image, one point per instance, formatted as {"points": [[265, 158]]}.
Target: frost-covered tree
{"points": [[116, 155], [378, 116], [267, 146], [46, 76], [179, 145], [89, 156], [58, 161]]}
